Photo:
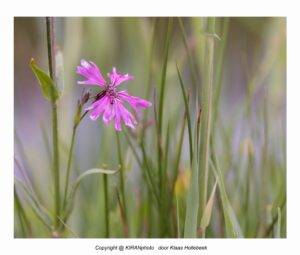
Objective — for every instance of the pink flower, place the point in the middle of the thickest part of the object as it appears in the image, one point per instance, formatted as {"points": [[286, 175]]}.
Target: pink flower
{"points": [[109, 102]]}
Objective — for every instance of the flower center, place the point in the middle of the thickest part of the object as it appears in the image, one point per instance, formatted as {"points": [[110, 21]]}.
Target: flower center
{"points": [[112, 93]]}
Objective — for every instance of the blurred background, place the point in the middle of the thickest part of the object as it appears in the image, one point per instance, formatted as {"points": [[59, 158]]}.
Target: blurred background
{"points": [[249, 124]]}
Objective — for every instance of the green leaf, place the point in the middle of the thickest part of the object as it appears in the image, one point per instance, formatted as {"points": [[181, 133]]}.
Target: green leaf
{"points": [[90, 172], [186, 104], [232, 226], [205, 220], [192, 202], [191, 217], [69, 203], [49, 90]]}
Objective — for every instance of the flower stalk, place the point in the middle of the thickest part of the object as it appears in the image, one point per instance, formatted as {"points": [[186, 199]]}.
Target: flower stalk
{"points": [[50, 44], [106, 198], [122, 183]]}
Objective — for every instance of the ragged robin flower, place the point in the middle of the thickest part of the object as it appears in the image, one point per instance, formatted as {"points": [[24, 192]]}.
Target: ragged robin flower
{"points": [[109, 102]]}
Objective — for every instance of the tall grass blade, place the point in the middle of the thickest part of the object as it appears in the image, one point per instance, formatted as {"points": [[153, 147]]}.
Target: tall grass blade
{"points": [[220, 67], [232, 226], [186, 104], [163, 74], [206, 103], [192, 206], [178, 154]]}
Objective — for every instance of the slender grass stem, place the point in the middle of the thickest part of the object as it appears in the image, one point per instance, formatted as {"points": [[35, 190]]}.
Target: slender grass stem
{"points": [[178, 154], [160, 154], [107, 234], [207, 98], [148, 171], [50, 43], [220, 68], [143, 166], [123, 214], [186, 103]]}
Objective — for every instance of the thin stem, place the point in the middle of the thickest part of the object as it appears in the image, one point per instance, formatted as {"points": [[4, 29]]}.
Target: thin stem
{"points": [[207, 112], [122, 179], [69, 164], [106, 206], [148, 172], [160, 154], [187, 112], [143, 166], [50, 44]]}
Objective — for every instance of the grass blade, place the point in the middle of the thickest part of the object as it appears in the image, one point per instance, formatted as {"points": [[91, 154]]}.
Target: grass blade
{"points": [[91, 172], [70, 200], [191, 217], [205, 220], [206, 100], [186, 104], [232, 226], [178, 155]]}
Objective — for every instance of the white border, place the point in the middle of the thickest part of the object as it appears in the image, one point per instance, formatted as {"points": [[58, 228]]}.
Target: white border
{"points": [[9, 9]]}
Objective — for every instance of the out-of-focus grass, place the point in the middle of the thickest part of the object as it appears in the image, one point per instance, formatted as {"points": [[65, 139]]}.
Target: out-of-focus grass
{"points": [[234, 75]]}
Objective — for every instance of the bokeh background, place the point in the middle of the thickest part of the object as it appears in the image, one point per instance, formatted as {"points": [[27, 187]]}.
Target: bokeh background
{"points": [[250, 124]]}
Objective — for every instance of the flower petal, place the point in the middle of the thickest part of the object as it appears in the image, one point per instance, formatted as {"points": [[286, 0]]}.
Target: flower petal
{"points": [[117, 78], [135, 102], [122, 113], [118, 125], [90, 71], [98, 107], [109, 112]]}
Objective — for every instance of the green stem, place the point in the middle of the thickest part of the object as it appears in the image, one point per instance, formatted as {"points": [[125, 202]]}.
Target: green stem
{"points": [[69, 165], [187, 112], [122, 180], [148, 172], [50, 42], [106, 206], [219, 69], [160, 154], [206, 114]]}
